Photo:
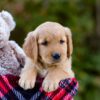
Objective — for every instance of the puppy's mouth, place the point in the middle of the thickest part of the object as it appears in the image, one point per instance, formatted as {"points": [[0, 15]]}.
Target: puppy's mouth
{"points": [[54, 62]]}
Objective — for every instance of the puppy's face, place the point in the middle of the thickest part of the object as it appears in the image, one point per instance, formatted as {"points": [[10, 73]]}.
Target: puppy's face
{"points": [[51, 42], [52, 46]]}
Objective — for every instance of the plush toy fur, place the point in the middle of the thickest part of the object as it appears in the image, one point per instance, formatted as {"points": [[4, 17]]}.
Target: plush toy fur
{"points": [[11, 55]]}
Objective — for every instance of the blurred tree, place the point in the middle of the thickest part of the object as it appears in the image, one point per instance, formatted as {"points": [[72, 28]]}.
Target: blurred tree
{"points": [[98, 17]]}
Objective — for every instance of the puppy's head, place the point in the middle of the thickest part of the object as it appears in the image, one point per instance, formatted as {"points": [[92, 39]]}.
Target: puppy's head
{"points": [[51, 42]]}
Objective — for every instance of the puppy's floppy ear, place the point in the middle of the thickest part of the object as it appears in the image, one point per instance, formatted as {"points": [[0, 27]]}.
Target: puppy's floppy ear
{"points": [[69, 41], [30, 46]]}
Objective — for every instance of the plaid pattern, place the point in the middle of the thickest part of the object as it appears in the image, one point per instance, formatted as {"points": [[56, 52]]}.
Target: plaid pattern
{"points": [[9, 90]]}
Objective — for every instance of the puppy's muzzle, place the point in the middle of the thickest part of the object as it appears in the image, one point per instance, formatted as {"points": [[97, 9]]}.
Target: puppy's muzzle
{"points": [[56, 56]]}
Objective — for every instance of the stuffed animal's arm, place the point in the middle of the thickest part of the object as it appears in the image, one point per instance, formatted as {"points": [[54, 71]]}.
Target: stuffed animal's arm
{"points": [[20, 55]]}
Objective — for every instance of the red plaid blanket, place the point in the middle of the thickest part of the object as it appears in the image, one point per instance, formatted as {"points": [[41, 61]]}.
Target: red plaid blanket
{"points": [[10, 90]]}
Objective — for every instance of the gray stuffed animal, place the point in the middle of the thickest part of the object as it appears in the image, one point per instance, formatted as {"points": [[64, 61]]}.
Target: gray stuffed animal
{"points": [[12, 57]]}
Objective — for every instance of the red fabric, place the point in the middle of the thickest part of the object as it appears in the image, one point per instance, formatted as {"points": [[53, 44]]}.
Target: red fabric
{"points": [[10, 90]]}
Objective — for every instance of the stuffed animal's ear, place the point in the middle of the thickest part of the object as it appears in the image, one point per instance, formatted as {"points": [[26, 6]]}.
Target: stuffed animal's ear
{"points": [[8, 19], [69, 42], [30, 46]]}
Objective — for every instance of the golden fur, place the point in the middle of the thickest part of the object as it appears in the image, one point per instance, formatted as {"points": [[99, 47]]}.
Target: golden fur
{"points": [[48, 38]]}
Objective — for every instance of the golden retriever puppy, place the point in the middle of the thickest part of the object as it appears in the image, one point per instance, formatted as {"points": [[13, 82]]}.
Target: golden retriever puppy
{"points": [[48, 53]]}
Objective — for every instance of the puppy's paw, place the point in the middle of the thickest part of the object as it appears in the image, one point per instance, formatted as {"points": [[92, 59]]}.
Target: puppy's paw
{"points": [[50, 84], [51, 81], [27, 80]]}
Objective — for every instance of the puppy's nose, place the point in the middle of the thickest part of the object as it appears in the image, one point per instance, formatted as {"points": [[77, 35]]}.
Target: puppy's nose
{"points": [[56, 56]]}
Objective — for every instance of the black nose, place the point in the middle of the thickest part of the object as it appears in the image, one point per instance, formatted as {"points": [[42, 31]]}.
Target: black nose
{"points": [[56, 56]]}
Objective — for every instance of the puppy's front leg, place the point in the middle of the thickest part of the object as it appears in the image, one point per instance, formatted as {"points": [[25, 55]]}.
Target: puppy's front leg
{"points": [[54, 76], [28, 75]]}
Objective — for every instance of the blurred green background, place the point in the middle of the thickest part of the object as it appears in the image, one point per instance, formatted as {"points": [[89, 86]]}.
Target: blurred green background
{"points": [[83, 17]]}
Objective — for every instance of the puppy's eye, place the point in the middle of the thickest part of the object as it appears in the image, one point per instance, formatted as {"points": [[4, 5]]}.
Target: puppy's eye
{"points": [[62, 41], [45, 43]]}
